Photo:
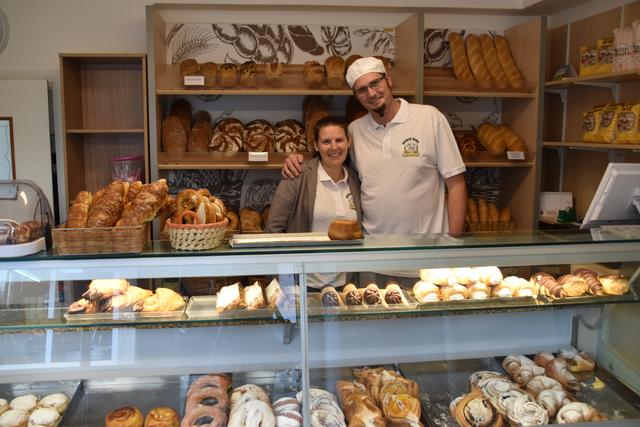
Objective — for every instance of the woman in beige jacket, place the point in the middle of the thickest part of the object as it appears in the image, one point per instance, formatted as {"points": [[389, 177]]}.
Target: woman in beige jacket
{"points": [[326, 189]]}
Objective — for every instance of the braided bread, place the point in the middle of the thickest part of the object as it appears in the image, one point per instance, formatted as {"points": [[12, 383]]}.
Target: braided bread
{"points": [[545, 284], [459, 57], [507, 63]]}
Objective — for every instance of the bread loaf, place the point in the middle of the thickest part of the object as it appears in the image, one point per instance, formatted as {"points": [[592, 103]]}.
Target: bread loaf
{"points": [[259, 136], [189, 67], [313, 73], [341, 229], [334, 66], [174, 136], [209, 70], [476, 60], [507, 63], [498, 139], [459, 57], [273, 73], [228, 136], [199, 137], [228, 75], [250, 220], [491, 60], [248, 74], [290, 136]]}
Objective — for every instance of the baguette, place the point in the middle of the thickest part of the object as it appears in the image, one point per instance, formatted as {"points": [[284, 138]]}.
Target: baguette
{"points": [[476, 60], [507, 63], [459, 57], [491, 60]]}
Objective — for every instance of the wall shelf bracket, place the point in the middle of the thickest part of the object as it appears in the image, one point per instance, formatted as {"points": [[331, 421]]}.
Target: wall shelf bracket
{"points": [[562, 92]]}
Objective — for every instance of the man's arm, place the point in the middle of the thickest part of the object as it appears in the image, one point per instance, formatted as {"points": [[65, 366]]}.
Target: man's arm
{"points": [[292, 166], [457, 204]]}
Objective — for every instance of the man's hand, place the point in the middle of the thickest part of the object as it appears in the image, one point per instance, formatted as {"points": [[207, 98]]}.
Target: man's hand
{"points": [[457, 205], [292, 166]]}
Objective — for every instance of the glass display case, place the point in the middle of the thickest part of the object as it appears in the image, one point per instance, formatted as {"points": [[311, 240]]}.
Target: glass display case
{"points": [[420, 314]]}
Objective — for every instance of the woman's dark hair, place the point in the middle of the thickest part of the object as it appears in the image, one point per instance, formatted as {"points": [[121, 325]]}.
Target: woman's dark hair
{"points": [[330, 121]]}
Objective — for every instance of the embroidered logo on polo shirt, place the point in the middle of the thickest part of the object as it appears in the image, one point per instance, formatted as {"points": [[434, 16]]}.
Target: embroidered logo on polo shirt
{"points": [[410, 147], [349, 198]]}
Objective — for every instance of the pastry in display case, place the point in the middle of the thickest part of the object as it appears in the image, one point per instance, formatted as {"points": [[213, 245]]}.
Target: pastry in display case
{"points": [[27, 219]]}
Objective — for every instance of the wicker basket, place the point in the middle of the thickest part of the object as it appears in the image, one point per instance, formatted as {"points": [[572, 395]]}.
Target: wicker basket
{"points": [[104, 240], [196, 237]]}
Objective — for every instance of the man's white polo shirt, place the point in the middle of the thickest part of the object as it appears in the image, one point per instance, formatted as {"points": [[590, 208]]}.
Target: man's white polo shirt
{"points": [[402, 168]]}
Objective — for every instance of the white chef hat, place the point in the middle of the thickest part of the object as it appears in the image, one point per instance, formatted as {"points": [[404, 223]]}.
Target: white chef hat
{"points": [[363, 66]]}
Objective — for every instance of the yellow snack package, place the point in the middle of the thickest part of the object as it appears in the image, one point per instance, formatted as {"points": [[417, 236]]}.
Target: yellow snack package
{"points": [[590, 123], [588, 60], [628, 124], [607, 124], [605, 55]]}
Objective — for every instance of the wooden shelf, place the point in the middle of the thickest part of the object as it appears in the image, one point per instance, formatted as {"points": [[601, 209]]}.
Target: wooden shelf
{"points": [[617, 77], [483, 159], [291, 83], [98, 131], [477, 93], [579, 145], [442, 82], [168, 161]]}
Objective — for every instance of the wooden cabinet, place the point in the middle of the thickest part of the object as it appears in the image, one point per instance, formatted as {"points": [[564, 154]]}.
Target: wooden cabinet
{"points": [[104, 116], [568, 163]]}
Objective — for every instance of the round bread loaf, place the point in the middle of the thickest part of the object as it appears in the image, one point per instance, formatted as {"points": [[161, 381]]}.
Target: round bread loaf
{"points": [[259, 136], [290, 136], [189, 67], [248, 74], [343, 229], [228, 136], [228, 75], [174, 136], [199, 137]]}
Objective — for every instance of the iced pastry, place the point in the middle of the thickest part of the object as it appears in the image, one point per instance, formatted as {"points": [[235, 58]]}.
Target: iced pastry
{"points": [[253, 297], [57, 401], [26, 402], [14, 418], [44, 417], [393, 294]]}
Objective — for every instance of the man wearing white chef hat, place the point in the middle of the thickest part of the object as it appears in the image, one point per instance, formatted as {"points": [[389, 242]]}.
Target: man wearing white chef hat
{"points": [[405, 155]]}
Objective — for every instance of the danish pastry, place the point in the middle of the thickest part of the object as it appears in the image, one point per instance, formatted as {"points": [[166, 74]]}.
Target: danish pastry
{"points": [[14, 418], [614, 285], [578, 412], [126, 416], [162, 416]]}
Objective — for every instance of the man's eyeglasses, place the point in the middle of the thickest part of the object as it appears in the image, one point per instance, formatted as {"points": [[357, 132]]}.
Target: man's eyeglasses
{"points": [[373, 84]]}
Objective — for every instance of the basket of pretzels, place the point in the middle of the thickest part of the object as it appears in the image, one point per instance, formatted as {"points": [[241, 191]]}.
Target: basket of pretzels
{"points": [[199, 221]]}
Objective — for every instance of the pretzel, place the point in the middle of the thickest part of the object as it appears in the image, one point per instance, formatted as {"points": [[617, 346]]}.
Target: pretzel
{"points": [[188, 217]]}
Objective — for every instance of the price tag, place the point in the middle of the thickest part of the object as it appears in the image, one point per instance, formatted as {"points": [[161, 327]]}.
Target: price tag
{"points": [[255, 156], [515, 155], [194, 80]]}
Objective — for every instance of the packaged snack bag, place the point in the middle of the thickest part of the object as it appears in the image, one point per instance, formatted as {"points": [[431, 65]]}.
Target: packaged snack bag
{"points": [[588, 61], [607, 125], [590, 123], [628, 124], [605, 55], [623, 58]]}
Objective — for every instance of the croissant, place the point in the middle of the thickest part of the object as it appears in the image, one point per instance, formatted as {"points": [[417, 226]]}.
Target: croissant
{"points": [[475, 410], [552, 400], [401, 410], [577, 361], [490, 56], [147, 203], [134, 189], [573, 285], [459, 57], [513, 362], [542, 382], [79, 211], [594, 287], [476, 60], [105, 288], [545, 284], [108, 205], [130, 297], [558, 369], [164, 299], [507, 63], [577, 412]]}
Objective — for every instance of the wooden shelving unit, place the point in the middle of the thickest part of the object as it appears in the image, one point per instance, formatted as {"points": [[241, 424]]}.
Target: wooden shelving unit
{"points": [[104, 115], [580, 169], [170, 161]]}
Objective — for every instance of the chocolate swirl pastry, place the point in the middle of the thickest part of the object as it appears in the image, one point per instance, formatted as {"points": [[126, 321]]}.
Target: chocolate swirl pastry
{"points": [[504, 401], [577, 412], [393, 296], [372, 295], [353, 298], [330, 299], [594, 287]]}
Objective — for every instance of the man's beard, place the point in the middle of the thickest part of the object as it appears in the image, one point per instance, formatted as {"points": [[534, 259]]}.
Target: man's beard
{"points": [[380, 110]]}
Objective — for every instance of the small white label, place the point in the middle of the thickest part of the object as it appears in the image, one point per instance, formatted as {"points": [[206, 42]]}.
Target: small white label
{"points": [[515, 155], [194, 80], [255, 156]]}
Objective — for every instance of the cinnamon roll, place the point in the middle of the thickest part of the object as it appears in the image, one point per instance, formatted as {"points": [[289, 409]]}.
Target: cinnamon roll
{"points": [[504, 401], [426, 291], [542, 382], [573, 285], [513, 362], [543, 358], [493, 387], [577, 361], [552, 400], [545, 284], [578, 412], [474, 410], [614, 285], [478, 376], [525, 373], [594, 287], [127, 415], [558, 369], [523, 412]]}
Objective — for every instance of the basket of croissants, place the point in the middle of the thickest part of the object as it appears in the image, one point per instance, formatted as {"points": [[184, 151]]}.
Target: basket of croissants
{"points": [[199, 221], [111, 220]]}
